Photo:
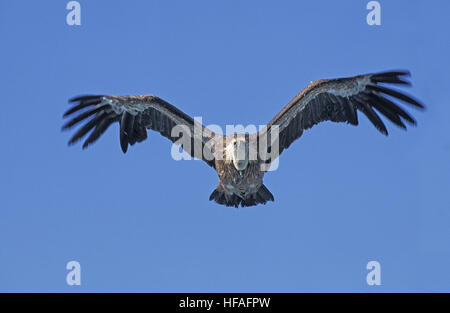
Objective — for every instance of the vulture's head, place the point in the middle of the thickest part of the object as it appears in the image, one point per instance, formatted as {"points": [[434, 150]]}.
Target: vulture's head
{"points": [[238, 152]]}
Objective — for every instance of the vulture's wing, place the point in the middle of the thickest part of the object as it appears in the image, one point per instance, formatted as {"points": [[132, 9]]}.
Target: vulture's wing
{"points": [[135, 115], [339, 100]]}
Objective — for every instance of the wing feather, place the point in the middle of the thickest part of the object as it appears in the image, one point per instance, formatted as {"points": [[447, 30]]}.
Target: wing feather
{"points": [[339, 100], [135, 114]]}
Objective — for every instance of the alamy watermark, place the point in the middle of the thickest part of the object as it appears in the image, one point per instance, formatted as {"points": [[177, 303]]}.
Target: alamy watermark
{"points": [[374, 276], [73, 277], [209, 143], [374, 16], [73, 17]]}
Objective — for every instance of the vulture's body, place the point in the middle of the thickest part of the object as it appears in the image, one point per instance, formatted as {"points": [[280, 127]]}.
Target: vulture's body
{"points": [[241, 160], [236, 186]]}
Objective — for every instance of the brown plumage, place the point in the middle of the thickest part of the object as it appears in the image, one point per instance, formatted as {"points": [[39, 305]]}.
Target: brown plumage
{"points": [[241, 162]]}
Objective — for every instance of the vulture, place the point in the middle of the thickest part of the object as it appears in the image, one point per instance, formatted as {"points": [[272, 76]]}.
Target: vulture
{"points": [[241, 160]]}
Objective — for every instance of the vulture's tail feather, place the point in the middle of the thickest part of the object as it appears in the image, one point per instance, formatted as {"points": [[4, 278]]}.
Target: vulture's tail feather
{"points": [[262, 196]]}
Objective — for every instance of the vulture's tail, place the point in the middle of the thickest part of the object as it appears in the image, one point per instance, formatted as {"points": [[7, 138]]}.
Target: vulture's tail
{"points": [[262, 196]]}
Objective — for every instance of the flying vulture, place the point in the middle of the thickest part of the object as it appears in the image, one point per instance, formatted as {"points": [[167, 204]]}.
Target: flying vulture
{"points": [[240, 160]]}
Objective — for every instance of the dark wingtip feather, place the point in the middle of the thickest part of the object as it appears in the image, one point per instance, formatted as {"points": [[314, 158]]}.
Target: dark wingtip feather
{"points": [[84, 101], [79, 107], [397, 94], [101, 127], [390, 80], [84, 98], [371, 115], [86, 128], [392, 107], [391, 77], [82, 117], [394, 73]]}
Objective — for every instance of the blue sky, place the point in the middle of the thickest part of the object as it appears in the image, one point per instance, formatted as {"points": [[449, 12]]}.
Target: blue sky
{"points": [[142, 222]]}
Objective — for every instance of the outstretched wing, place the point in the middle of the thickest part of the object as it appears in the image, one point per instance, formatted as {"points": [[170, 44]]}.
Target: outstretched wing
{"points": [[135, 114], [339, 100]]}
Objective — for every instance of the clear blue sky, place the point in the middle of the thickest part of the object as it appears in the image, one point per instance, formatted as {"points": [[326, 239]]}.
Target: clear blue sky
{"points": [[142, 222]]}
